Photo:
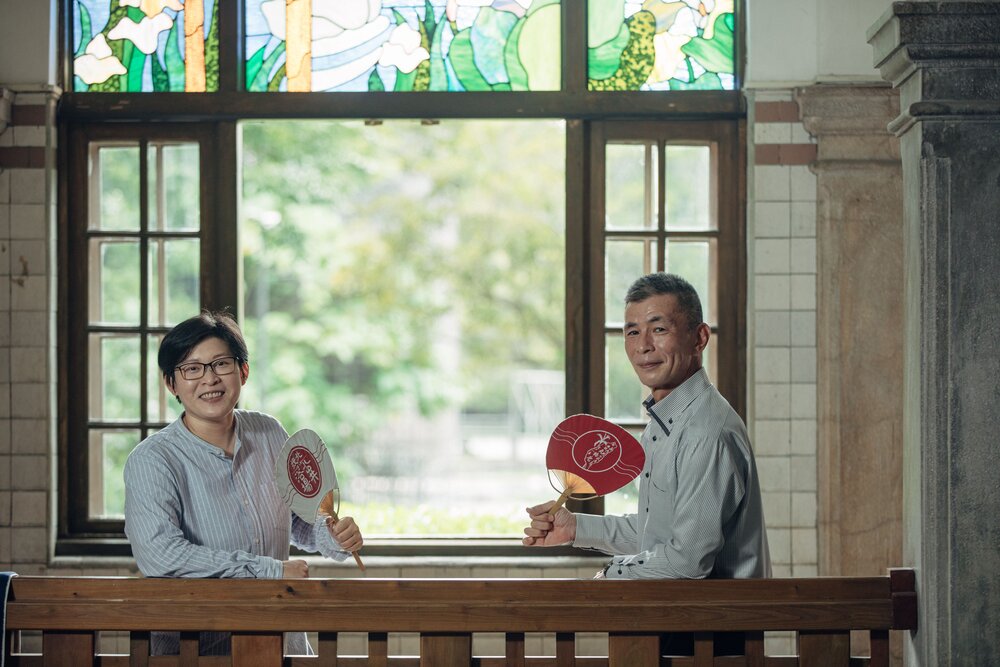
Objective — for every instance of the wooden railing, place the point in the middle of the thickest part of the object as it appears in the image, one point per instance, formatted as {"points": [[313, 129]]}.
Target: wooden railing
{"points": [[69, 611]]}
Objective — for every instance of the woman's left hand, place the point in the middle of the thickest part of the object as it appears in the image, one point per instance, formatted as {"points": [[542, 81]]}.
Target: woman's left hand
{"points": [[346, 533]]}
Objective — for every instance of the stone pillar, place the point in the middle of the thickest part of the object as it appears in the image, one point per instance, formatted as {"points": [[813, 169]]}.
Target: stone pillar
{"points": [[945, 59], [859, 295]]}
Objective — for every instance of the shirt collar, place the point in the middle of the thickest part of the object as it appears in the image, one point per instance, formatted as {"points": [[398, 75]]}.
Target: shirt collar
{"points": [[669, 409]]}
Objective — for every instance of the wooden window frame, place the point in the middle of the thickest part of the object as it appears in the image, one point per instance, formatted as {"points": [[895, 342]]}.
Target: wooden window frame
{"points": [[214, 118]]}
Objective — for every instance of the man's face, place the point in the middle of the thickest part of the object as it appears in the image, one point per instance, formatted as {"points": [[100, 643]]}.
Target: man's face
{"points": [[660, 343]]}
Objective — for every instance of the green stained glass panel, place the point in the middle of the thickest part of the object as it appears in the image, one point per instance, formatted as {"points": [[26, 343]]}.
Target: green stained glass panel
{"points": [[404, 45], [661, 45], [139, 46]]}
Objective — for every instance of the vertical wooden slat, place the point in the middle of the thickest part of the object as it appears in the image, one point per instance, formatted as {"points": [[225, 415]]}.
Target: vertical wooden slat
{"points": [[625, 650], [257, 649], [71, 649], [824, 649], [445, 649], [565, 649], [704, 649], [327, 650], [879, 648], [138, 649], [189, 648], [378, 649], [514, 650], [754, 647]]}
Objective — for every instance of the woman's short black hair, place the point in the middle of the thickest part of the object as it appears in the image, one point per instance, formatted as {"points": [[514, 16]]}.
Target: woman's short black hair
{"points": [[184, 337]]}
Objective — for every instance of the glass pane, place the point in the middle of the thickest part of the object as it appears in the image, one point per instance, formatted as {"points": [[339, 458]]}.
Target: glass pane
{"points": [[660, 45], [174, 280], [114, 376], [114, 282], [137, 47], [689, 188], [631, 184], [161, 406], [623, 393], [404, 45], [115, 190], [624, 262], [690, 260], [413, 315], [174, 198], [108, 451]]}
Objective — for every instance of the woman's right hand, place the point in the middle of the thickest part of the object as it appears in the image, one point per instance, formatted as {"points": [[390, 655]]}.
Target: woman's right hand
{"points": [[294, 569]]}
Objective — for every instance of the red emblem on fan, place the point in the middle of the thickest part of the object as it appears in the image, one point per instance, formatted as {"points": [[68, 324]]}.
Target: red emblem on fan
{"points": [[304, 472], [590, 455]]}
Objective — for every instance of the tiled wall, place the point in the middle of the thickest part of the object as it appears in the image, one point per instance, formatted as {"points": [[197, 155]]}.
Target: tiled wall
{"points": [[27, 214], [782, 301]]}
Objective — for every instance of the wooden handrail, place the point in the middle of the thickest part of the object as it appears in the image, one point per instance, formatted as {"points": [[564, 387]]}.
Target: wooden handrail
{"points": [[440, 609]]}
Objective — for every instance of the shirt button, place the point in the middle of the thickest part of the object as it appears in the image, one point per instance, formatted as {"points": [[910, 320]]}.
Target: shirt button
{"points": [[654, 437], [647, 474]]}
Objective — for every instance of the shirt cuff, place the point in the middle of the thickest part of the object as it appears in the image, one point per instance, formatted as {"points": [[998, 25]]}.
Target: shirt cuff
{"points": [[589, 532], [270, 568]]}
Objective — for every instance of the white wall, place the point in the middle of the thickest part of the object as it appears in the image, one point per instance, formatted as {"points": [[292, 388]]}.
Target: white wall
{"points": [[820, 40], [26, 57]]}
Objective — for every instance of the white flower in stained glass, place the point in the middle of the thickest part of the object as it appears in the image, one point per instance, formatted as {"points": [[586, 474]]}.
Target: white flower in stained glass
{"points": [[350, 39], [686, 22], [152, 7], [144, 34], [668, 55], [98, 63], [403, 50], [332, 77], [349, 14], [451, 9]]}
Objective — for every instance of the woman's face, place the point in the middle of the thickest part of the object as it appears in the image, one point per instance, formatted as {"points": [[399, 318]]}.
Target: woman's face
{"points": [[212, 397]]}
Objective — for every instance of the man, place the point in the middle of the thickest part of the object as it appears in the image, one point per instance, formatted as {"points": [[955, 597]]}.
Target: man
{"points": [[699, 512]]}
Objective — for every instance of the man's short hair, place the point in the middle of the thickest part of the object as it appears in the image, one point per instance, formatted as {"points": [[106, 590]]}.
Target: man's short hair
{"points": [[655, 284], [184, 337]]}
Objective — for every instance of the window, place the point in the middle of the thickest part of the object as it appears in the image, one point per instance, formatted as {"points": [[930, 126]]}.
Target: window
{"points": [[277, 205]]}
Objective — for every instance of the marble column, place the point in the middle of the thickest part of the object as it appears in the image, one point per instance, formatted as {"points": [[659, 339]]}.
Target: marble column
{"points": [[944, 57], [859, 294]]}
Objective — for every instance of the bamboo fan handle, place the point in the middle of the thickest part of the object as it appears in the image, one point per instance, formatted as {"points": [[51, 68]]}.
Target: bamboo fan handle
{"points": [[331, 519], [563, 497]]}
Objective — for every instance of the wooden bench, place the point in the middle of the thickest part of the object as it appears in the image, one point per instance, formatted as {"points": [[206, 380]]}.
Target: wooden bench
{"points": [[69, 611]]}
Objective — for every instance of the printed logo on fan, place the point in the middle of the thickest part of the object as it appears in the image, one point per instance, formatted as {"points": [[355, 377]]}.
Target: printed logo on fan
{"points": [[303, 472], [597, 451]]}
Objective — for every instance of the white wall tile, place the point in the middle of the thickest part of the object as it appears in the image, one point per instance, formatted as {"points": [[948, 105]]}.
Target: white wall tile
{"points": [[803, 183], [30, 545], [800, 135], [772, 133], [803, 218], [803, 510], [30, 256], [803, 292], [771, 437], [29, 293], [803, 403], [5, 400], [6, 442], [772, 219], [772, 292], [27, 329], [777, 513], [772, 328], [33, 135], [803, 438], [29, 364], [29, 508], [30, 400], [803, 255], [27, 221], [804, 545], [29, 473], [772, 183], [803, 365], [4, 220], [27, 186], [5, 504], [805, 571], [772, 401], [4, 185], [771, 256], [772, 364], [774, 473], [803, 473], [4, 365], [29, 436], [779, 542], [803, 328]]}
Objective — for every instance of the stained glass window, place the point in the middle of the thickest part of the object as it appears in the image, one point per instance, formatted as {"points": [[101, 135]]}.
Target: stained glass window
{"points": [[403, 45], [132, 46], [660, 44]]}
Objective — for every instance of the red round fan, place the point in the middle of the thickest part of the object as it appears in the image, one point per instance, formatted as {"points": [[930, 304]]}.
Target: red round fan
{"points": [[591, 456]]}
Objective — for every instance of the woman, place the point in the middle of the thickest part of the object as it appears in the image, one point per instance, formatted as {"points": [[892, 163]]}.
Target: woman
{"points": [[200, 498]]}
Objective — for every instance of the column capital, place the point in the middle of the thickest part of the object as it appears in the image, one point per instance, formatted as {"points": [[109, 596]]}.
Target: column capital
{"points": [[943, 56], [850, 120]]}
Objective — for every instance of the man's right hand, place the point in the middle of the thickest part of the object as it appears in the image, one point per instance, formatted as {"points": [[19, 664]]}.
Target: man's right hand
{"points": [[294, 569], [546, 530]]}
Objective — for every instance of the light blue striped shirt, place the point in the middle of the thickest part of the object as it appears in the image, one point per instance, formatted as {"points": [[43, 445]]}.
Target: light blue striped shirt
{"points": [[191, 511], [699, 509]]}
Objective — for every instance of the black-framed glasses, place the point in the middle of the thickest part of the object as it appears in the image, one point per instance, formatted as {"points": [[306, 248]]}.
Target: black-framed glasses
{"points": [[195, 370]]}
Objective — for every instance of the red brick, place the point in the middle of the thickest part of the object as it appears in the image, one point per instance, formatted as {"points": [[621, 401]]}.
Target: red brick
{"points": [[776, 112], [29, 114], [766, 154], [22, 157]]}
